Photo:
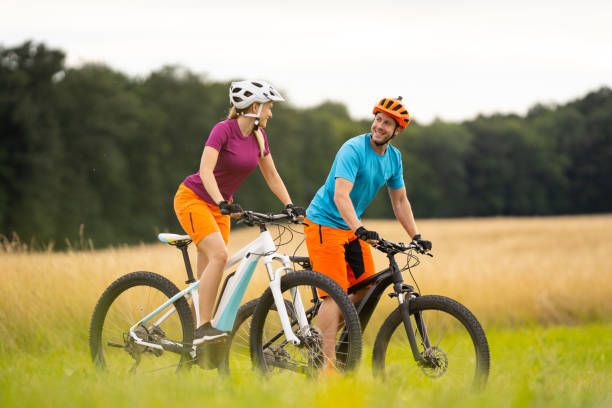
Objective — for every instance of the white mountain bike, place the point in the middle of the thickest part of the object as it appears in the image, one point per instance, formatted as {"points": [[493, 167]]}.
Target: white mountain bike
{"points": [[144, 323]]}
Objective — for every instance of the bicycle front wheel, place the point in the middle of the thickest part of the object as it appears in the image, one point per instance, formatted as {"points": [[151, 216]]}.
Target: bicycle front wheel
{"points": [[125, 302], [270, 350], [238, 357], [456, 350]]}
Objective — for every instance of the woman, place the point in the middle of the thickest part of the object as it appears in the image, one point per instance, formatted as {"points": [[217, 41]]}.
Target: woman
{"points": [[203, 202]]}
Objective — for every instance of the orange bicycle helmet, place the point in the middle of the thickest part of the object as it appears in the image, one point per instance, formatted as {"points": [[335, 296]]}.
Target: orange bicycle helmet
{"points": [[395, 109]]}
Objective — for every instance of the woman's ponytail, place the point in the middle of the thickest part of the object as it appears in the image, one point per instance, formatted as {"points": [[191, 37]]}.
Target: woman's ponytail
{"points": [[260, 141]]}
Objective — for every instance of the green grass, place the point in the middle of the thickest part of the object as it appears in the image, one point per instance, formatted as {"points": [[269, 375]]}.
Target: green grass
{"points": [[537, 366]]}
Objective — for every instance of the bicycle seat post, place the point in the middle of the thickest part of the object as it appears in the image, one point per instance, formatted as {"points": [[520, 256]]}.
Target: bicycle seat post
{"points": [[190, 278]]}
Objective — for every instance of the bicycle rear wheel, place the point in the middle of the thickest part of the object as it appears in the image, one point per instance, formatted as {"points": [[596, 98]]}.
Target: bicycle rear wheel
{"points": [[270, 351], [126, 301], [458, 351]]}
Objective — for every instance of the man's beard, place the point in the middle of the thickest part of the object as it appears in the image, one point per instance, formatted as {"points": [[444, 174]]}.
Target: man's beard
{"points": [[385, 142]]}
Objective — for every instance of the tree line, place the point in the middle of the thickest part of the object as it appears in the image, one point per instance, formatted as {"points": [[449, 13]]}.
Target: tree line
{"points": [[93, 147]]}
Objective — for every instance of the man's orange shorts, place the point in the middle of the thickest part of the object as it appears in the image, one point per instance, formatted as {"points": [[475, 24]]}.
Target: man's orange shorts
{"points": [[199, 218], [338, 254]]}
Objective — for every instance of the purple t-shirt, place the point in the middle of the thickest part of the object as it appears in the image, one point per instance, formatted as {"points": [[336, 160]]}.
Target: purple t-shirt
{"points": [[238, 157]]}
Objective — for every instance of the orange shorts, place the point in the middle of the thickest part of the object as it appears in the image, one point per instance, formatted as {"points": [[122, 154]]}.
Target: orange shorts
{"points": [[338, 254], [199, 218]]}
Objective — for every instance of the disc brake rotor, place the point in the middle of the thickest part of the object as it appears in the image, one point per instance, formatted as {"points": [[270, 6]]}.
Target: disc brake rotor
{"points": [[436, 362], [314, 345]]}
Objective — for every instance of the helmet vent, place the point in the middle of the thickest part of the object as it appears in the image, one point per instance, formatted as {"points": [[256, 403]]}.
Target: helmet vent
{"points": [[236, 89], [237, 99], [397, 107], [248, 93], [257, 84], [389, 103]]}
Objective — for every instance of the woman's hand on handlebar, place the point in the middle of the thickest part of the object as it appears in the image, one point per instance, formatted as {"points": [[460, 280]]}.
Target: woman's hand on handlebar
{"points": [[234, 210]]}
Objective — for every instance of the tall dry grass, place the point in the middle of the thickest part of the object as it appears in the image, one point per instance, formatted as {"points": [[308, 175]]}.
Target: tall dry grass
{"points": [[508, 271]]}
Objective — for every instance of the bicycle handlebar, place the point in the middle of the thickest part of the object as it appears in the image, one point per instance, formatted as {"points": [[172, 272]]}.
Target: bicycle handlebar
{"points": [[256, 218], [389, 247]]}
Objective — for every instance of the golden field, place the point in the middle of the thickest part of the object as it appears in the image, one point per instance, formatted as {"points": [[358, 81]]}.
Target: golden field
{"points": [[507, 271]]}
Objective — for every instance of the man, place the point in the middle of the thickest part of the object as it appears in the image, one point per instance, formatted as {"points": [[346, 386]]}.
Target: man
{"points": [[337, 241]]}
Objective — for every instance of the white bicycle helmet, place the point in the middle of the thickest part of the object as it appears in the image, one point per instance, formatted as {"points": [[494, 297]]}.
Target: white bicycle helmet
{"points": [[243, 93]]}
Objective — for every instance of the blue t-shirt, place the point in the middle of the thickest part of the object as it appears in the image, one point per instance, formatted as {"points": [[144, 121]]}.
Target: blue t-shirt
{"points": [[357, 162]]}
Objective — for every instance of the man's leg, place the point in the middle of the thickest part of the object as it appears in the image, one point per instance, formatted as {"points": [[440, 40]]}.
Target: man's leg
{"points": [[329, 321], [326, 250], [357, 296]]}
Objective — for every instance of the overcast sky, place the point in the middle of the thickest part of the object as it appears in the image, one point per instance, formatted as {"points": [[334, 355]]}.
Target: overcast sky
{"points": [[450, 59]]}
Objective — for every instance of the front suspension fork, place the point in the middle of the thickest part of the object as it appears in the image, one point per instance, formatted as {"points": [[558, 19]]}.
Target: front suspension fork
{"points": [[404, 308]]}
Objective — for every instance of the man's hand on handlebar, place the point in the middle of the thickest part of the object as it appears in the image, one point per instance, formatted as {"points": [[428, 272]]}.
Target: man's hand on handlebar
{"points": [[371, 237], [423, 244], [397, 247], [294, 211]]}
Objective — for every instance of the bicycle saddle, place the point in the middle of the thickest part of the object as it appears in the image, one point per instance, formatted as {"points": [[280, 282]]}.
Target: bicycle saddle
{"points": [[174, 239]]}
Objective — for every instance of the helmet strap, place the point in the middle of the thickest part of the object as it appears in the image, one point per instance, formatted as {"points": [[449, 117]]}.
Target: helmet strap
{"points": [[256, 116]]}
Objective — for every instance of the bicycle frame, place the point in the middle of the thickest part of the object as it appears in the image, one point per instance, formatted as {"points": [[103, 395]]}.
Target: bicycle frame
{"points": [[233, 291]]}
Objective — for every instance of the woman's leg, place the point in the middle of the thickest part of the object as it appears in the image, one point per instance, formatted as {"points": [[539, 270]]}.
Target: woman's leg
{"points": [[201, 262], [212, 257]]}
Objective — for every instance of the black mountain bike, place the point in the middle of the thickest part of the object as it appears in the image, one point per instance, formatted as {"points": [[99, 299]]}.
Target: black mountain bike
{"points": [[425, 338]]}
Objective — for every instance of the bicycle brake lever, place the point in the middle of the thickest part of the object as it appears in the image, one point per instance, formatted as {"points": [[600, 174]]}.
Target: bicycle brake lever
{"points": [[422, 251], [246, 221]]}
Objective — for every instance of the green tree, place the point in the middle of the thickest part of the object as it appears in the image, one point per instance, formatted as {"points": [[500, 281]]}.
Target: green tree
{"points": [[91, 146], [29, 144], [434, 168]]}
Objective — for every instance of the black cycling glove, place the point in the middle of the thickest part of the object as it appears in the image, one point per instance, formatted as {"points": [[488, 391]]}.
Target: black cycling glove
{"points": [[294, 211], [365, 234], [423, 243], [227, 208]]}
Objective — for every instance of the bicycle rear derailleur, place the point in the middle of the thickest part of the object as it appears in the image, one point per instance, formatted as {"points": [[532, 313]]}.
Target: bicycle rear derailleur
{"points": [[146, 332]]}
